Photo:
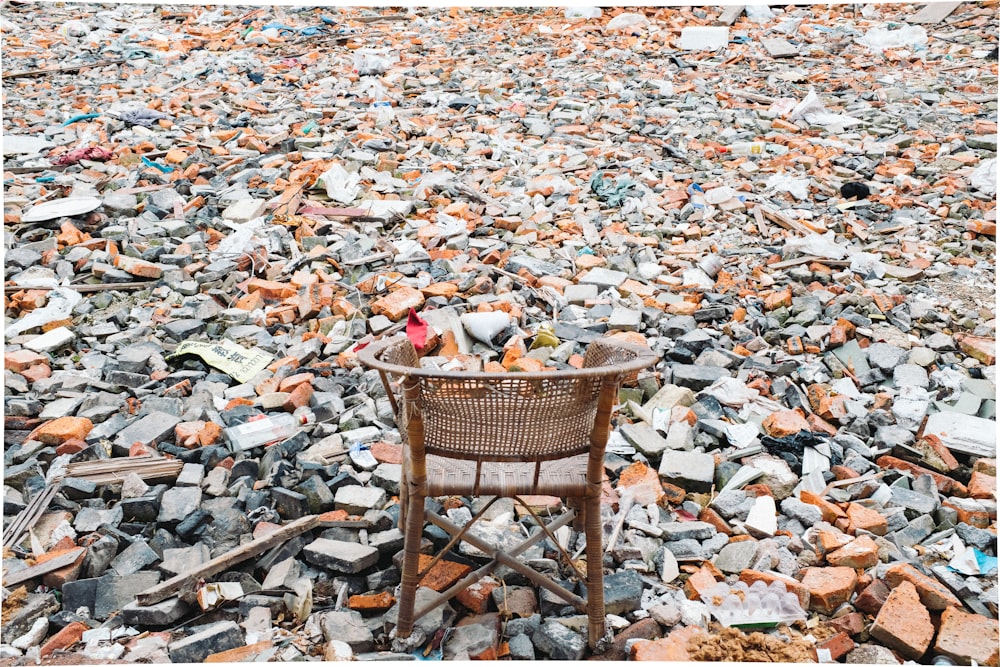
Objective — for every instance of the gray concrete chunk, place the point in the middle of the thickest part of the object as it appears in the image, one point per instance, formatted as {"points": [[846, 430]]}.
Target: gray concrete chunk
{"points": [[346, 557]]}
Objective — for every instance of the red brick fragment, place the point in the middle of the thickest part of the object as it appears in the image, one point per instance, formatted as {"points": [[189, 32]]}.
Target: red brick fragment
{"points": [[62, 429], [829, 587], [63, 639], [966, 637], [904, 624], [933, 594]]}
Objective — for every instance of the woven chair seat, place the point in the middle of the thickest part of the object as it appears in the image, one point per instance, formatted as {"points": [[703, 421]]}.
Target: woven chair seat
{"points": [[457, 477], [504, 435]]}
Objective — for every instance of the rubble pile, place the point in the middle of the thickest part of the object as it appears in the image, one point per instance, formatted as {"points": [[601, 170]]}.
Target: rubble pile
{"points": [[207, 210]]}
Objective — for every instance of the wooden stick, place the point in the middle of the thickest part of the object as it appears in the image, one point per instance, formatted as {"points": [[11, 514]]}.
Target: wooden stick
{"points": [[57, 70], [57, 563], [225, 561], [29, 516], [83, 289], [113, 471]]}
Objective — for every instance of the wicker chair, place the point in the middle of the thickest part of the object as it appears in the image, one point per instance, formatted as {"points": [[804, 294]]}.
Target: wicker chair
{"points": [[504, 435]]}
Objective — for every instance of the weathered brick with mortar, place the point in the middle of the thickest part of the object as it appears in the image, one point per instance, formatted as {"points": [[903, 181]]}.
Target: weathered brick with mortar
{"points": [[862, 553], [863, 518], [904, 624], [933, 594], [62, 429], [829, 587], [966, 637]]}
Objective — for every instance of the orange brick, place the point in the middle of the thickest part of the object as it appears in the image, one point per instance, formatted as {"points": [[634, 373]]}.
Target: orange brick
{"points": [[70, 235], [903, 623], [62, 429], [210, 434], [36, 373], [837, 646], [830, 511], [446, 290], [935, 454], [829, 587], [186, 433], [443, 574], [270, 289], [21, 360], [852, 624], [862, 553], [63, 639], [944, 483], [640, 475], [778, 300], [672, 648], [871, 599], [71, 446], [983, 349], [862, 518], [932, 594], [828, 541], [981, 227], [385, 452], [397, 304], [371, 602], [240, 653], [967, 637], [71, 572], [982, 486], [783, 423], [672, 494], [138, 267], [710, 516], [476, 598], [293, 381], [698, 584], [298, 398]]}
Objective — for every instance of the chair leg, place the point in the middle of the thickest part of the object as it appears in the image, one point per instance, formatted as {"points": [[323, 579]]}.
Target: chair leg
{"points": [[412, 534], [595, 569]]}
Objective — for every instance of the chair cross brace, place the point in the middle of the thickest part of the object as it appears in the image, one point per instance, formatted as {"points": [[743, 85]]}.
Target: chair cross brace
{"points": [[508, 558]]}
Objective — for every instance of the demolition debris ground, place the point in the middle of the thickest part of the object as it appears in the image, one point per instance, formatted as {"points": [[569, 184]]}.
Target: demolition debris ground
{"points": [[207, 210]]}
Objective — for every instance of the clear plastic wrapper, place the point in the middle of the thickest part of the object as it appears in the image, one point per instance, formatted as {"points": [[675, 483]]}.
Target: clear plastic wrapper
{"points": [[757, 606]]}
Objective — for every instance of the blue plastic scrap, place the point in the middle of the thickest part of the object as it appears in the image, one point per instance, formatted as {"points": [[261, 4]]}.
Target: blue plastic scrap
{"points": [[615, 191], [77, 119], [156, 165]]}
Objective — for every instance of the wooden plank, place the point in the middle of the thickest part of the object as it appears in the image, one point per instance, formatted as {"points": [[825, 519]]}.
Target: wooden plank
{"points": [[777, 47], [241, 553], [56, 563], [729, 16], [758, 215], [113, 471], [24, 521], [934, 12], [334, 212], [782, 221], [59, 70]]}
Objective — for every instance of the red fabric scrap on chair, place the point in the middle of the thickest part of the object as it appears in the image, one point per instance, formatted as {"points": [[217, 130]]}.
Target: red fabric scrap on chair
{"points": [[416, 330]]}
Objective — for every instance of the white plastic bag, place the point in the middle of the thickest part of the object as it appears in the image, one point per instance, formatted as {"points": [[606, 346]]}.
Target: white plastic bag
{"points": [[879, 39], [368, 61], [341, 185], [984, 178], [867, 262], [60, 305], [797, 187], [240, 241], [627, 21], [583, 12], [758, 13], [812, 110], [815, 244]]}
